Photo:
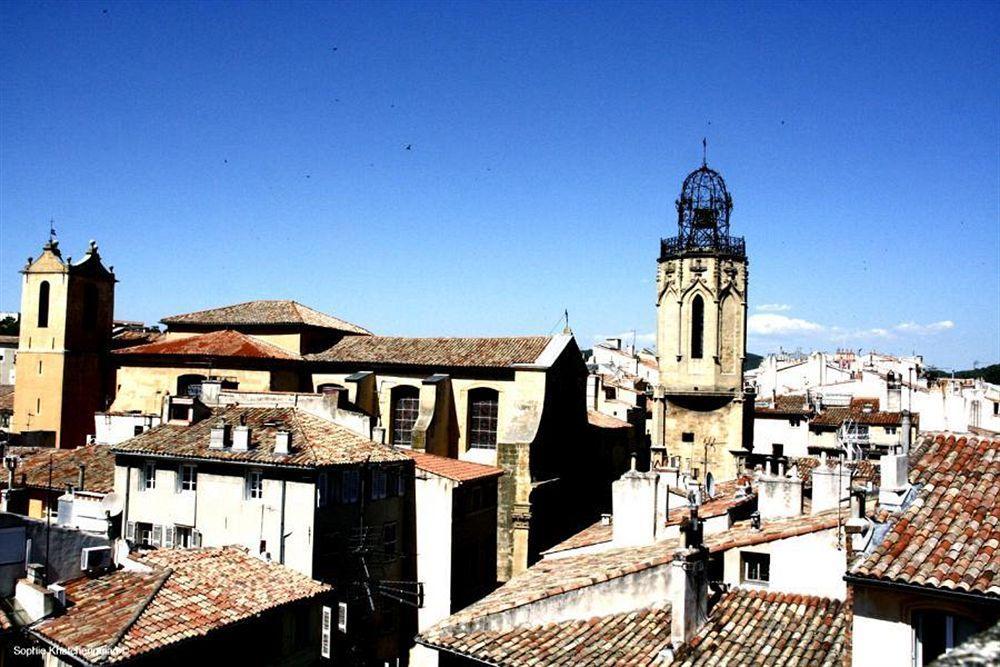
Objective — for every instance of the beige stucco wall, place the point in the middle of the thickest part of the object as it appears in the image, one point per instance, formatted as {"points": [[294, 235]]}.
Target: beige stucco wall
{"points": [[143, 387], [222, 513], [807, 565]]}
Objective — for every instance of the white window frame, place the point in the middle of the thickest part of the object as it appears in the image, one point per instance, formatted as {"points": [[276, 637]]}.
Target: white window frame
{"points": [[148, 476], [184, 484], [183, 537], [255, 491], [745, 564]]}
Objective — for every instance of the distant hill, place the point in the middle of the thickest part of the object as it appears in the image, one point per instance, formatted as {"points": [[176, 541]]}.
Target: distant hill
{"points": [[751, 361], [989, 373]]}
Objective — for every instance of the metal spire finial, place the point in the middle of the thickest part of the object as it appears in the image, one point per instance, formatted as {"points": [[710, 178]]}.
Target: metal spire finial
{"points": [[704, 152], [52, 230]]}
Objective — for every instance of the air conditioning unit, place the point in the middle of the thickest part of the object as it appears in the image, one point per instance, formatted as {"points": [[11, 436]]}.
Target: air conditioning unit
{"points": [[95, 557]]}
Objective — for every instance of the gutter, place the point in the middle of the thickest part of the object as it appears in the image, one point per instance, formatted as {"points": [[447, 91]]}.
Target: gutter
{"points": [[924, 590], [443, 649]]}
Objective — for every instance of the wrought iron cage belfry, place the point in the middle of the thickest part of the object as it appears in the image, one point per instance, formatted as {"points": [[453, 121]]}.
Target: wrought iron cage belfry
{"points": [[703, 211]]}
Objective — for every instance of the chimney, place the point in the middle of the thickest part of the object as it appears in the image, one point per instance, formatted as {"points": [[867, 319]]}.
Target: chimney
{"points": [[633, 501], [211, 390], [241, 437], [830, 487], [905, 427], [283, 441], [895, 482], [688, 586], [81, 476], [378, 434], [217, 440], [779, 497]]}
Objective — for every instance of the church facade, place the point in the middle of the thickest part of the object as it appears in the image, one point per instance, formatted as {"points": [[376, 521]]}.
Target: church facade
{"points": [[703, 414]]}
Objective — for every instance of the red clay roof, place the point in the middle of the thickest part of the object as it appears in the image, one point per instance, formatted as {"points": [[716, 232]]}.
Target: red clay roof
{"points": [[133, 338], [264, 313], [633, 638], [752, 627], [790, 404], [223, 343], [598, 532], [314, 441], [461, 352], [454, 469], [834, 417], [98, 477], [188, 593], [601, 420], [949, 536], [7, 397]]}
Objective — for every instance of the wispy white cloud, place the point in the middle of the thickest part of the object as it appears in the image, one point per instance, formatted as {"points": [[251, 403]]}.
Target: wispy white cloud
{"points": [[770, 324], [924, 329], [773, 308]]}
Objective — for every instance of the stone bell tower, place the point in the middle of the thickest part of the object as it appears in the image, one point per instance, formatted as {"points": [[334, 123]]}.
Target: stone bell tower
{"points": [[702, 414], [67, 311]]}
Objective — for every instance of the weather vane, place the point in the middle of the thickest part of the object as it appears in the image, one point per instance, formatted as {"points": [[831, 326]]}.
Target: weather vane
{"points": [[704, 152], [52, 230]]}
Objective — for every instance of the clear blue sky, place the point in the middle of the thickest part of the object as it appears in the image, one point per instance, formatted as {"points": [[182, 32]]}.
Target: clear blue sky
{"points": [[226, 152]]}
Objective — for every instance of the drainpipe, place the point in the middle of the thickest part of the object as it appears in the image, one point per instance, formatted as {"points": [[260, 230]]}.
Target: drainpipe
{"points": [[281, 535]]}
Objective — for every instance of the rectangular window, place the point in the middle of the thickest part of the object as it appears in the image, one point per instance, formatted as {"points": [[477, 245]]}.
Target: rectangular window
{"points": [[756, 568], [188, 478], [148, 480], [378, 484], [687, 437], [255, 485], [144, 534], [890, 430], [183, 537], [483, 422], [403, 418], [401, 483], [349, 487], [389, 539], [936, 632], [137, 430]]}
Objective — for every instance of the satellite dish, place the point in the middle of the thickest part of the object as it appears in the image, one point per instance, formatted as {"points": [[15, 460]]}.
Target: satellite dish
{"points": [[112, 504], [709, 485]]}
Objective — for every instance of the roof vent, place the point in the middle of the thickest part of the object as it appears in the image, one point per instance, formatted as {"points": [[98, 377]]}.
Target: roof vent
{"points": [[283, 441], [241, 438], [217, 440]]}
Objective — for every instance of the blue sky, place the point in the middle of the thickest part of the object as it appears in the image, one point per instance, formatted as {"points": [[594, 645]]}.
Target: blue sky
{"points": [[476, 168]]}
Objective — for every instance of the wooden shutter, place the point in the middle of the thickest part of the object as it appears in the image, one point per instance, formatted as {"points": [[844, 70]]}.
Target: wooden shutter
{"points": [[130, 531], [196, 537], [168, 537], [157, 537]]}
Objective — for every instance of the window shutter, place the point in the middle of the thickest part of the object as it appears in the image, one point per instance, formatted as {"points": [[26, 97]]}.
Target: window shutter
{"points": [[342, 616], [321, 491], [157, 535], [130, 531], [179, 486], [324, 647], [196, 538], [168, 537]]}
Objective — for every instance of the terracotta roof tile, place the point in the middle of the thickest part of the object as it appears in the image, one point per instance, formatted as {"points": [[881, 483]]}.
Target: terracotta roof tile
{"points": [[264, 312], [949, 536], [832, 418], [751, 627], [187, 593], [601, 420], [596, 533], [223, 343], [7, 397], [454, 469], [315, 441], [7, 341], [789, 404], [99, 475], [445, 352], [132, 338]]}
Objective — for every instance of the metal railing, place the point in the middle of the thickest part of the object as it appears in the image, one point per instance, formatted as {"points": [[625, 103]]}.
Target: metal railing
{"points": [[674, 246]]}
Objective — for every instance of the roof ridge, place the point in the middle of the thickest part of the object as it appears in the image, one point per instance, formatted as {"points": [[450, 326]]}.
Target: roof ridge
{"points": [[141, 608]]}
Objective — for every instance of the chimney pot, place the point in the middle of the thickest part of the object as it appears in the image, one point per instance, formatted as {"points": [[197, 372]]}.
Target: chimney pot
{"points": [[217, 439], [283, 442], [241, 436]]}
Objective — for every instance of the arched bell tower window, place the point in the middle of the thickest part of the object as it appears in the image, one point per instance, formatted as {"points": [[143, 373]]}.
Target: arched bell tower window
{"points": [[43, 304], [697, 327]]}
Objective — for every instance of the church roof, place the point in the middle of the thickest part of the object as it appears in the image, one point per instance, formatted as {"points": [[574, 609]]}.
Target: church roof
{"points": [[498, 352], [223, 343], [264, 313]]}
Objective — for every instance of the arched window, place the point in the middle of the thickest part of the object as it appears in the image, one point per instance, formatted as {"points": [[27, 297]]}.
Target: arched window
{"points": [[697, 327], [482, 422], [405, 406], [90, 306], [43, 304]]}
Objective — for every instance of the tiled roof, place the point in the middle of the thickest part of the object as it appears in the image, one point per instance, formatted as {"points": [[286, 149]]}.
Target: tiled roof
{"points": [[7, 397], [7, 341], [633, 638], [596, 533], [789, 404], [187, 594], [131, 338], [454, 469], [949, 536], [601, 420], [223, 343], [315, 441], [834, 417], [864, 470], [980, 650], [265, 313], [98, 477], [554, 576], [750, 627], [461, 352]]}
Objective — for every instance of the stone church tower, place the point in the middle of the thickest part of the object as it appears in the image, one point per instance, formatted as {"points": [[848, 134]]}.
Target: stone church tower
{"points": [[67, 312], [702, 414]]}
